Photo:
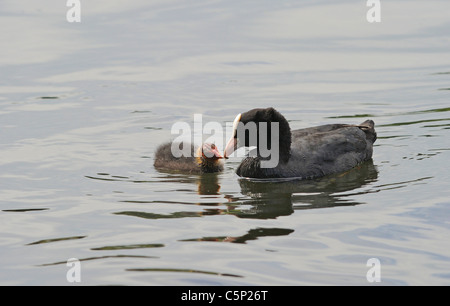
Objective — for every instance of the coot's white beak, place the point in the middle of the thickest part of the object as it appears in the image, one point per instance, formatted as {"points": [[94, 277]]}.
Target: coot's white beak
{"points": [[231, 146], [232, 143]]}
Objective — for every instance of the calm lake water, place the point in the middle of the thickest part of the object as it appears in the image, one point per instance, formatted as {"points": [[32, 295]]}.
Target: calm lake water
{"points": [[83, 107]]}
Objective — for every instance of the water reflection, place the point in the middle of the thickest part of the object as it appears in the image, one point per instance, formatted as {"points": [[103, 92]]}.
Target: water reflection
{"points": [[267, 199], [128, 247], [98, 257], [208, 184], [272, 199], [56, 240], [181, 271], [252, 234]]}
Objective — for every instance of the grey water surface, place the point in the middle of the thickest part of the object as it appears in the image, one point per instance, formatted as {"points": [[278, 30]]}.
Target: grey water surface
{"points": [[83, 107]]}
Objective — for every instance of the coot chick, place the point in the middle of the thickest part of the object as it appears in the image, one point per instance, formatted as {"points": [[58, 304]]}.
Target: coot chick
{"points": [[305, 153], [206, 159]]}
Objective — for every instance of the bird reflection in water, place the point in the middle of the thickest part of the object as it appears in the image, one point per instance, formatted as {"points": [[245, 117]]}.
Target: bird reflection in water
{"points": [[271, 199], [208, 184], [329, 191]]}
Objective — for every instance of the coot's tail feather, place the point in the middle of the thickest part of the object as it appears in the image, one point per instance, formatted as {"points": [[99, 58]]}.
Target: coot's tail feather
{"points": [[368, 127]]}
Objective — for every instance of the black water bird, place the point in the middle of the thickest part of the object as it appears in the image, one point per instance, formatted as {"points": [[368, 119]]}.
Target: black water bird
{"points": [[305, 153]]}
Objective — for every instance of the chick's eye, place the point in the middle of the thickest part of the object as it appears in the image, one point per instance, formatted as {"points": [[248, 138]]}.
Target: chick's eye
{"points": [[213, 146]]}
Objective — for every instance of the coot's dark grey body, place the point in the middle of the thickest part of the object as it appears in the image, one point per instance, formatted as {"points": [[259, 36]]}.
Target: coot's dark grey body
{"points": [[311, 152]]}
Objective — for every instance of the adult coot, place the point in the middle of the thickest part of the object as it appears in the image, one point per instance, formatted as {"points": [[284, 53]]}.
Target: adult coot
{"points": [[304, 153], [205, 159]]}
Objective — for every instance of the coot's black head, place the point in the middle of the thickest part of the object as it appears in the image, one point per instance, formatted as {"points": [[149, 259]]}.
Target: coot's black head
{"points": [[244, 138]]}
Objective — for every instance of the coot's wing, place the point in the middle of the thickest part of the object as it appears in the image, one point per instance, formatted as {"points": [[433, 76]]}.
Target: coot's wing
{"points": [[328, 149]]}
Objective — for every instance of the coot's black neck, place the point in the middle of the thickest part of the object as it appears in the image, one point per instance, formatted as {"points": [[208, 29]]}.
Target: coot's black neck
{"points": [[281, 141]]}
